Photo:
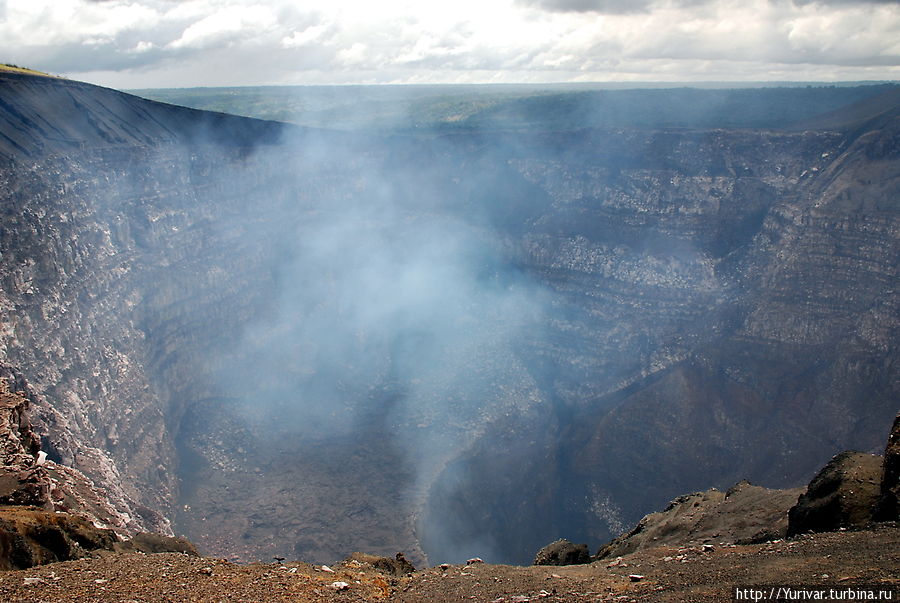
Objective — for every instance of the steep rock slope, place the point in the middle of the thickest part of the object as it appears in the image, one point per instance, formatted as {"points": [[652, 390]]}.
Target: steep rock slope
{"points": [[97, 189], [744, 514], [29, 478], [44, 116], [50, 512], [753, 289], [639, 314]]}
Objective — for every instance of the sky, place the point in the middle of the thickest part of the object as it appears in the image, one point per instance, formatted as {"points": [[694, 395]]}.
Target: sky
{"points": [[186, 43]]}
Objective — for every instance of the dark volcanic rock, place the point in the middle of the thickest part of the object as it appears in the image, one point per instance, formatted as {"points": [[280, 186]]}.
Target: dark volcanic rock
{"points": [[842, 495], [745, 513], [889, 502], [563, 552], [68, 119], [398, 566], [30, 536]]}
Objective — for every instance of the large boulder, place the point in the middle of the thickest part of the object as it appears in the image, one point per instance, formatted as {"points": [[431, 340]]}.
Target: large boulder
{"points": [[842, 495], [563, 552], [889, 503]]}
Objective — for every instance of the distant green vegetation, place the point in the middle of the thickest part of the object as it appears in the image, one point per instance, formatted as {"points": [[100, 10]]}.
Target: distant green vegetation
{"points": [[434, 109], [346, 107]]}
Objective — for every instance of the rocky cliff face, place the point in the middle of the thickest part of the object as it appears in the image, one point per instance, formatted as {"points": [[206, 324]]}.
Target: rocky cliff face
{"points": [[727, 311], [48, 512], [636, 314], [82, 295], [51, 512], [99, 219]]}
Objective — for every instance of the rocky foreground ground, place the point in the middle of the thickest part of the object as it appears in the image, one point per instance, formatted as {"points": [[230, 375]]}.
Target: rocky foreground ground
{"points": [[694, 573]]}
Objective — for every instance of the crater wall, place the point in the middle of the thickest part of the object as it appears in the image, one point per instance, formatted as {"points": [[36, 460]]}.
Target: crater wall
{"points": [[303, 343]]}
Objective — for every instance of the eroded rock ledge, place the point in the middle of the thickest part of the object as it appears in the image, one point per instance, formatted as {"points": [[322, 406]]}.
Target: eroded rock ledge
{"points": [[50, 512]]}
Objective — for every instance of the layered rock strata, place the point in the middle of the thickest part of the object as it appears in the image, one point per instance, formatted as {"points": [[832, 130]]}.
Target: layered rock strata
{"points": [[711, 303]]}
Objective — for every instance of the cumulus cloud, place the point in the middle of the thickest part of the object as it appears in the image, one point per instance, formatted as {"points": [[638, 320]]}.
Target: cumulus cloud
{"points": [[307, 36], [144, 43], [230, 24]]}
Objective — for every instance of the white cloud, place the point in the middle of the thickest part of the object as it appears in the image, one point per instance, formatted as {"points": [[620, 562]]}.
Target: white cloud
{"points": [[358, 55], [310, 35], [143, 47], [48, 22], [206, 42], [226, 25]]}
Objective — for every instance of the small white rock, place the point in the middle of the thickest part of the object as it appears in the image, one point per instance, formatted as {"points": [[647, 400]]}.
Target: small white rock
{"points": [[340, 585]]}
